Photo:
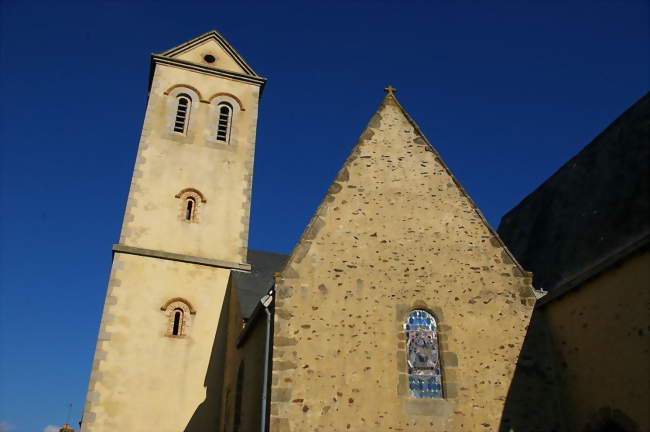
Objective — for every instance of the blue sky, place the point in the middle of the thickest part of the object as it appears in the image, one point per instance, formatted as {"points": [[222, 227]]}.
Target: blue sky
{"points": [[507, 91]]}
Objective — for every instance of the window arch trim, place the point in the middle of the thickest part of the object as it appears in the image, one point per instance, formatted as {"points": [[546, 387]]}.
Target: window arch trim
{"points": [[179, 302], [191, 192], [183, 88], [227, 97], [178, 312]]}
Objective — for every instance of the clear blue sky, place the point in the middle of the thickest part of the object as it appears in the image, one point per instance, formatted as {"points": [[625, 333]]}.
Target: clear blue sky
{"points": [[506, 90]]}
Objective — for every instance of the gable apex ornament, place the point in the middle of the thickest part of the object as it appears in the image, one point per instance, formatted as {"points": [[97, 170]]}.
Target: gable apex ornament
{"points": [[390, 90]]}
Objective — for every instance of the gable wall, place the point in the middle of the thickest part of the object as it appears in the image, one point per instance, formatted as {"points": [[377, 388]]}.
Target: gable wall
{"points": [[223, 60], [394, 233]]}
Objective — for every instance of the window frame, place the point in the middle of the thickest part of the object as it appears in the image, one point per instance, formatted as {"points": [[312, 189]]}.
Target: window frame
{"points": [[186, 196], [420, 323], [225, 136], [186, 115], [232, 138], [184, 310]]}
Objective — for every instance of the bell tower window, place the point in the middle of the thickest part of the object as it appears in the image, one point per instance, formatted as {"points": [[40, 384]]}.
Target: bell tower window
{"points": [[225, 122], [183, 106]]}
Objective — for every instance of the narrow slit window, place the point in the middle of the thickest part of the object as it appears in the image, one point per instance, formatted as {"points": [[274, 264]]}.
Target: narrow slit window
{"points": [[182, 113], [189, 205], [224, 122], [425, 377], [189, 209], [178, 323]]}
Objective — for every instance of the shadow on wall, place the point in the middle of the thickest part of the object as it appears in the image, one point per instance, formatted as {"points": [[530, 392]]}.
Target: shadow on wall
{"points": [[206, 417], [535, 401], [611, 420]]}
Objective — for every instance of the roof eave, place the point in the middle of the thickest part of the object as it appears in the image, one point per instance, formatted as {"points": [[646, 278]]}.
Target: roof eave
{"points": [[161, 59]]}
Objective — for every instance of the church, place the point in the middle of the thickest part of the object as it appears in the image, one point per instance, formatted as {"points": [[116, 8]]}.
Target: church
{"points": [[399, 308]]}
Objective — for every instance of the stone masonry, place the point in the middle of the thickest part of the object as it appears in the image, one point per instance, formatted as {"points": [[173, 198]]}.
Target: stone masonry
{"points": [[395, 232]]}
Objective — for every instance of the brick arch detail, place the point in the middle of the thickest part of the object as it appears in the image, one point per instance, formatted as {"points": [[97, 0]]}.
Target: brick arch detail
{"points": [[169, 307], [178, 302], [191, 192], [225, 97], [171, 89]]}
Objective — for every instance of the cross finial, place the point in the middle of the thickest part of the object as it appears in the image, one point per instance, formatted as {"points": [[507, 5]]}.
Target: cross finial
{"points": [[390, 90]]}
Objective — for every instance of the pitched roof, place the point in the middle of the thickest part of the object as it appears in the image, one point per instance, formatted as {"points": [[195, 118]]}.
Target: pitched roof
{"points": [[215, 36], [194, 55], [256, 284], [595, 206]]}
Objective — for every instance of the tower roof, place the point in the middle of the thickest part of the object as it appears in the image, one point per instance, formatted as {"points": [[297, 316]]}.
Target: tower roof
{"points": [[212, 54]]}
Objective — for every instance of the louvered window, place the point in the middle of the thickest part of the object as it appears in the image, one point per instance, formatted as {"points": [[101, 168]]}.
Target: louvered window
{"points": [[225, 122], [182, 113]]}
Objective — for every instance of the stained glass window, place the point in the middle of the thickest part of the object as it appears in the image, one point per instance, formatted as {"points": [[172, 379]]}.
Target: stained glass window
{"points": [[425, 380]]}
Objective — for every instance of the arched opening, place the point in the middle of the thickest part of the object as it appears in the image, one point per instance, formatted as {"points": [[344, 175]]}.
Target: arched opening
{"points": [[177, 327], [224, 123], [189, 209], [183, 105]]}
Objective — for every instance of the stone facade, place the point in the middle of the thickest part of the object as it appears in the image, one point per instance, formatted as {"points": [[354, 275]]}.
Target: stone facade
{"points": [[395, 232]]}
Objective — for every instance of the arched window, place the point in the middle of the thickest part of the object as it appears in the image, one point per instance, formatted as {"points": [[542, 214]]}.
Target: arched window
{"points": [[224, 124], [191, 199], [183, 106], [179, 312], [189, 208], [425, 378], [177, 325]]}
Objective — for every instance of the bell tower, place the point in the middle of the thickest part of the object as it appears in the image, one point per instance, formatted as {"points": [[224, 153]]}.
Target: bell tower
{"points": [[185, 230]]}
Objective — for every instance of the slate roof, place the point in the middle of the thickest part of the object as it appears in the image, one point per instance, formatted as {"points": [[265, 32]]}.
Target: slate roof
{"points": [[256, 284], [594, 207]]}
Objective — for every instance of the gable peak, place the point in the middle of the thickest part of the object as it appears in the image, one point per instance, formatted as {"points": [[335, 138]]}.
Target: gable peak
{"points": [[210, 50]]}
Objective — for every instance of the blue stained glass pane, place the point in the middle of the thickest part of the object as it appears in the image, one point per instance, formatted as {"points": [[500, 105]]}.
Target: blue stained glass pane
{"points": [[422, 355]]}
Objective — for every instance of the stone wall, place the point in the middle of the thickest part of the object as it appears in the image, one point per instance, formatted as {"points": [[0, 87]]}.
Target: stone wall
{"points": [[394, 233], [600, 332], [144, 377]]}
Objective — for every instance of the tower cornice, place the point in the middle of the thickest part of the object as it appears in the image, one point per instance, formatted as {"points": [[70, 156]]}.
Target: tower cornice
{"points": [[160, 59], [151, 253]]}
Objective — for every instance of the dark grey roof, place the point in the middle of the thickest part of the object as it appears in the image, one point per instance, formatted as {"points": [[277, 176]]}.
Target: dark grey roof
{"points": [[254, 285], [592, 207]]}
